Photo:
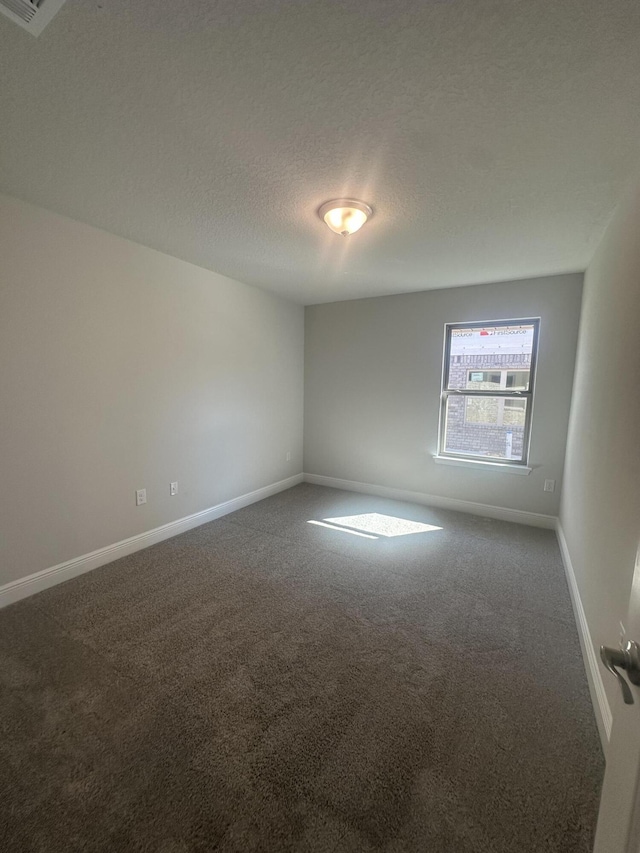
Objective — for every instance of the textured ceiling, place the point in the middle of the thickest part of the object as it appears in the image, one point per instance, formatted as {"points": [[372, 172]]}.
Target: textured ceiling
{"points": [[491, 137]]}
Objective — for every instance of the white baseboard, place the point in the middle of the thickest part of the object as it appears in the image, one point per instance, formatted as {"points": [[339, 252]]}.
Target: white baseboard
{"points": [[533, 519], [29, 585], [596, 687]]}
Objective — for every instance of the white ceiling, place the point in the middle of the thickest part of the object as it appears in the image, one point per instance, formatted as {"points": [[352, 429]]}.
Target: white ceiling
{"points": [[491, 137]]}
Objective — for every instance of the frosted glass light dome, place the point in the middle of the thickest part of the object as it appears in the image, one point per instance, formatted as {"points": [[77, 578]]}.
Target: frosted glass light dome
{"points": [[345, 216]]}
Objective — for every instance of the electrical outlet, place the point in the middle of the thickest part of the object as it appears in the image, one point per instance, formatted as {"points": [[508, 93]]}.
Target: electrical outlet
{"points": [[549, 485], [173, 488], [141, 497], [288, 457]]}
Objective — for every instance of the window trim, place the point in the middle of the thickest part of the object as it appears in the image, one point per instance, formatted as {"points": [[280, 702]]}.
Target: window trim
{"points": [[446, 392], [507, 467]]}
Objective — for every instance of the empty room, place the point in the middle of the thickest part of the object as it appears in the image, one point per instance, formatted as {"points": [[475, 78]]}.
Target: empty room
{"points": [[320, 507]]}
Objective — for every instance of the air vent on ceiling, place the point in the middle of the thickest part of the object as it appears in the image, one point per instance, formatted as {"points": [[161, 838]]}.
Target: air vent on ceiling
{"points": [[32, 15]]}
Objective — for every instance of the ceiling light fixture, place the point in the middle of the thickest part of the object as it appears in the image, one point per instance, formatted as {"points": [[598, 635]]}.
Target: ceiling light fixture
{"points": [[345, 215]]}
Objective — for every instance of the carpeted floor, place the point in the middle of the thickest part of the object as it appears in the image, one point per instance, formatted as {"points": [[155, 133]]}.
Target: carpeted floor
{"points": [[265, 684]]}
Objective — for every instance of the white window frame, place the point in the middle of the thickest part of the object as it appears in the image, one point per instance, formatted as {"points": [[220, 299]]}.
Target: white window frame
{"points": [[505, 393]]}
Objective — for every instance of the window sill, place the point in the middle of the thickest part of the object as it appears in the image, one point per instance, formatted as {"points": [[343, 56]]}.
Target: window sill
{"points": [[479, 465]]}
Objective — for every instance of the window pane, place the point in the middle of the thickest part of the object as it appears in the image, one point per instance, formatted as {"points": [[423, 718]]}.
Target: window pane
{"points": [[485, 426], [514, 412], [482, 410], [483, 380], [491, 358], [518, 380]]}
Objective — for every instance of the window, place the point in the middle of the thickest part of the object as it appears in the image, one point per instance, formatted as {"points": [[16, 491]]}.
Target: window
{"points": [[487, 390]]}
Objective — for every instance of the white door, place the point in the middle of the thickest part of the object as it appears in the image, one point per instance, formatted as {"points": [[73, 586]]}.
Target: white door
{"points": [[619, 819]]}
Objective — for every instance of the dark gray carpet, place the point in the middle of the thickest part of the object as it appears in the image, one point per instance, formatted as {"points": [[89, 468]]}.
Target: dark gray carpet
{"points": [[264, 684]]}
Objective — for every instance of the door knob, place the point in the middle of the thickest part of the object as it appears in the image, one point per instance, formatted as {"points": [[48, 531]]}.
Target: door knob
{"points": [[627, 658]]}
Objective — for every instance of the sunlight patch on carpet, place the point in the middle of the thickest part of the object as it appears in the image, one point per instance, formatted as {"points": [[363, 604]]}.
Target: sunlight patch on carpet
{"points": [[371, 525], [341, 529]]}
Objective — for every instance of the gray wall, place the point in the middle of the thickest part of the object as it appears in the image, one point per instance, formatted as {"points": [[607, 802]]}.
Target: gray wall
{"points": [[372, 389], [123, 368], [600, 512]]}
